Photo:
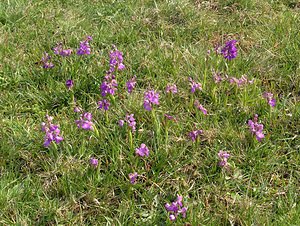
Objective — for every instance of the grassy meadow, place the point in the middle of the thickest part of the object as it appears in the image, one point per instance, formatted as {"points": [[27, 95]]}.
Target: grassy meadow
{"points": [[163, 42]]}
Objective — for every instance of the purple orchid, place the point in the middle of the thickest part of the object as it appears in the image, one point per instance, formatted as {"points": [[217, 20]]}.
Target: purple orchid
{"points": [[256, 128], [84, 48], [171, 88], [269, 98], [229, 51], [194, 85], [142, 151], [104, 104], [200, 107], [223, 156], [131, 84], [52, 132], [132, 177], [85, 121], [176, 208], [150, 97]]}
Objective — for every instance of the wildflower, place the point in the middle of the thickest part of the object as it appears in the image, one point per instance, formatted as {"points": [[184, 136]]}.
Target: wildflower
{"points": [[52, 132], [218, 77], [121, 123], [58, 50], [69, 84], [116, 60], [109, 85], [269, 98], [200, 107], [170, 117], [194, 85], [132, 177], [131, 84], [131, 121], [84, 48], [85, 121], [142, 151], [256, 128], [45, 61], [94, 162], [176, 208], [171, 88], [194, 134], [223, 156], [103, 104], [150, 97], [240, 82], [229, 51]]}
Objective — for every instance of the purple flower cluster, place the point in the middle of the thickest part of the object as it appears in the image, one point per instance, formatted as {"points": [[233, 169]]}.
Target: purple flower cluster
{"points": [[130, 120], [104, 104], [200, 107], [194, 134], [229, 51], [223, 156], [269, 98], [256, 128], [131, 84], [116, 60], [109, 85], [132, 177], [219, 77], [85, 121], [45, 61], [194, 85], [52, 132], [58, 50], [69, 84], [171, 88], [242, 81], [176, 208], [142, 151], [94, 162], [84, 48], [150, 97]]}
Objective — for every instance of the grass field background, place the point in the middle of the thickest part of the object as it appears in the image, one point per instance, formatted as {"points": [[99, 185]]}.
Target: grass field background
{"points": [[163, 42]]}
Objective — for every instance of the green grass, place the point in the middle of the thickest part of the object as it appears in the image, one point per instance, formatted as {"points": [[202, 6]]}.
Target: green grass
{"points": [[163, 42]]}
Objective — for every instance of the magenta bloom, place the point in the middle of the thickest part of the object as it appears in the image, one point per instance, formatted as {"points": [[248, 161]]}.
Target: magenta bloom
{"points": [[45, 60], [176, 208], [109, 85], [194, 134], [94, 162], [58, 50], [171, 88], [142, 151], [116, 60], [84, 48], [132, 177], [52, 132], [150, 97], [269, 98], [104, 104], [131, 121], [69, 84], [256, 128], [194, 85], [170, 117], [223, 156], [200, 107], [229, 51], [240, 82], [121, 123], [85, 121], [131, 84], [77, 109]]}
